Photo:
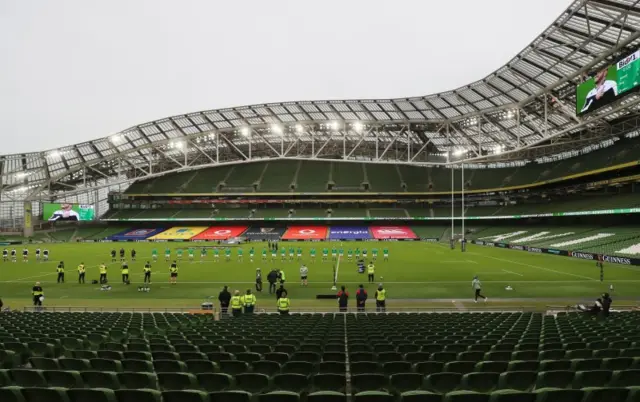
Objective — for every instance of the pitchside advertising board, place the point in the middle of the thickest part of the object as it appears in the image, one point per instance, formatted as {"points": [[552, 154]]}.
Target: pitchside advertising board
{"points": [[180, 233], [349, 233], [220, 233], [566, 253], [135, 234], [263, 233], [306, 233], [393, 233]]}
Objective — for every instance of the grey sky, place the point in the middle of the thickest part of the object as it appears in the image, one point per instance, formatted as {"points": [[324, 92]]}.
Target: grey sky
{"points": [[76, 70]]}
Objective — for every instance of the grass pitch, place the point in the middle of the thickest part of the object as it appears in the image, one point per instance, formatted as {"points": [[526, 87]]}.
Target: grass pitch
{"points": [[415, 273]]}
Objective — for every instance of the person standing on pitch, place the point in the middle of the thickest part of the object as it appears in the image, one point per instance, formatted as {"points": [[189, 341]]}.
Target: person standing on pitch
{"points": [[125, 272], [381, 299], [477, 287], [60, 271], [304, 272], [38, 294], [258, 280], [249, 302], [272, 278], [371, 272], [236, 304], [147, 273], [224, 297], [343, 299], [81, 272], [361, 298]]}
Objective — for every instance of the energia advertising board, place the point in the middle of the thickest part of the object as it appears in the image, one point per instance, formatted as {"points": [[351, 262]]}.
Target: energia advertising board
{"points": [[349, 233]]}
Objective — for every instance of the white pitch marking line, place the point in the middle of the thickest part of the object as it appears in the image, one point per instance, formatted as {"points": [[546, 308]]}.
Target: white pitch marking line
{"points": [[390, 282], [511, 272], [30, 277], [537, 267]]}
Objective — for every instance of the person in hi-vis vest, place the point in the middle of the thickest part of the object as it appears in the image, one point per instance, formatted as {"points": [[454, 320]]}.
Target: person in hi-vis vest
{"points": [[249, 302], [236, 304], [284, 304]]}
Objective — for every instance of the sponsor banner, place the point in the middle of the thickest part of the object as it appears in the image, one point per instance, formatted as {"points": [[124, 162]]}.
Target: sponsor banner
{"points": [[220, 233], [574, 254], [306, 233], [392, 232], [264, 233], [349, 233], [135, 234], [179, 233]]}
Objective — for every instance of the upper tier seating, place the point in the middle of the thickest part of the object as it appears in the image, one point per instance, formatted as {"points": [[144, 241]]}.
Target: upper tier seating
{"points": [[455, 357]]}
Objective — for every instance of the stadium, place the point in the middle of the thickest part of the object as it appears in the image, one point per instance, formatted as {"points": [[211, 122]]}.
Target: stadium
{"points": [[526, 180]]}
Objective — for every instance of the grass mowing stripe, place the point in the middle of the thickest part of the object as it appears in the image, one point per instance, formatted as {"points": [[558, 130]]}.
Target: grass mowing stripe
{"points": [[511, 272]]}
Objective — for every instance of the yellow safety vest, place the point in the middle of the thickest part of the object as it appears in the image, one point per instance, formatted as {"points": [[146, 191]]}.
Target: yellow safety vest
{"points": [[60, 270], [284, 304], [249, 300], [236, 302], [38, 292], [125, 271], [173, 270], [103, 269], [147, 269], [371, 269], [381, 295], [81, 269], [282, 276]]}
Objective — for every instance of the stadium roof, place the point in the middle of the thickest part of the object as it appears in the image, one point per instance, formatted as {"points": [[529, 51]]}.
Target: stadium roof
{"points": [[527, 104]]}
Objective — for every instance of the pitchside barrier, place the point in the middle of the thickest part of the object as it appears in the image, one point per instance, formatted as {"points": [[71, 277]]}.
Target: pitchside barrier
{"points": [[565, 253]]}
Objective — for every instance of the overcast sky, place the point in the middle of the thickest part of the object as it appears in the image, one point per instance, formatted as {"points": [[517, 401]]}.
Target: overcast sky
{"points": [[76, 70]]}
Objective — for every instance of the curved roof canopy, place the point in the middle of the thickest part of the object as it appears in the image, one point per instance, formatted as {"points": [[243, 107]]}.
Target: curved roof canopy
{"points": [[527, 104]]}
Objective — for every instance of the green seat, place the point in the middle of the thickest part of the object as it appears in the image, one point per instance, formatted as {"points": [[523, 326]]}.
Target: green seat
{"points": [[44, 363], [5, 378], [137, 355], [75, 364], [579, 354], [142, 366], [634, 394], [266, 367], [373, 396], [63, 379], [617, 363], [138, 380], [291, 382], [492, 367], [625, 378], [525, 355], [20, 349], [329, 382], [603, 394], [586, 364], [524, 365], [368, 382], [420, 396], [335, 367], [252, 382], [326, 396], [606, 353], [169, 366], [11, 394], [518, 380], [201, 366], [84, 354], [510, 395], [100, 379], [138, 395], [110, 354], [591, 378], [45, 395], [233, 367], [460, 367], [92, 395], [100, 364], [367, 367], [214, 382], [279, 396], [466, 396], [559, 395], [555, 379], [480, 382], [403, 382], [185, 396], [442, 383], [177, 381], [426, 368], [27, 378], [9, 359], [297, 367], [230, 396], [553, 365]]}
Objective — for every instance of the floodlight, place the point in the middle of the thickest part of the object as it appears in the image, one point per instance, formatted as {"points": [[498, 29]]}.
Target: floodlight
{"points": [[178, 144], [116, 138], [299, 128], [244, 131], [54, 154], [334, 125], [276, 129], [458, 152], [497, 149], [357, 126]]}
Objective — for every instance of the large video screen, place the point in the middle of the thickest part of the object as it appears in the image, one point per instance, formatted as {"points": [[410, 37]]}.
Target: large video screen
{"points": [[608, 84], [67, 212]]}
